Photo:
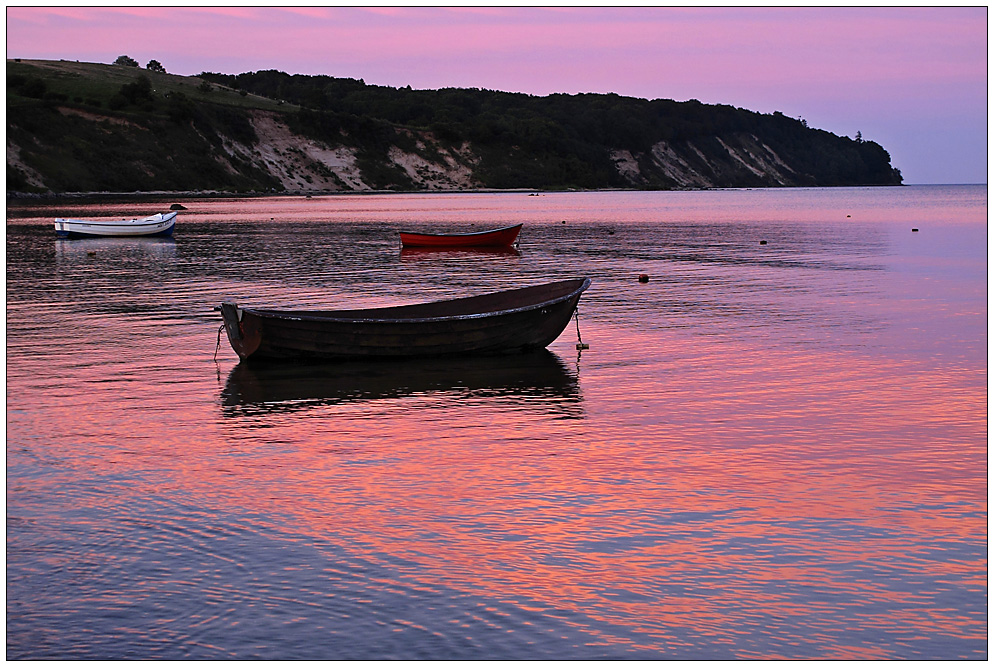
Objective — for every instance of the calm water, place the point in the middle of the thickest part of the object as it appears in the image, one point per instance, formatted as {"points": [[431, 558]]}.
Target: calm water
{"points": [[768, 451]]}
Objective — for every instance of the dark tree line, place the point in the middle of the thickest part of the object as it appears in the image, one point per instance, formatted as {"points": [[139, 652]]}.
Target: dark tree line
{"points": [[128, 61], [570, 136], [180, 133]]}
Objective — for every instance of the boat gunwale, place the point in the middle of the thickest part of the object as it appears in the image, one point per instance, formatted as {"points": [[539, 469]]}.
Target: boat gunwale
{"points": [[301, 316]]}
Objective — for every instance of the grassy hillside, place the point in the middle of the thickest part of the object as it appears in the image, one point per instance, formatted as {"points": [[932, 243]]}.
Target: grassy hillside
{"points": [[76, 131], [96, 84], [84, 127]]}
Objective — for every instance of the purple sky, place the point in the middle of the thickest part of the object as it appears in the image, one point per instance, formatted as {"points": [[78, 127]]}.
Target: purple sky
{"points": [[913, 79]]}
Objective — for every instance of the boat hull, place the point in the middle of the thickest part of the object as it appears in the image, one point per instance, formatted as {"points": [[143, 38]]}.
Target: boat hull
{"points": [[156, 225], [494, 238], [501, 323]]}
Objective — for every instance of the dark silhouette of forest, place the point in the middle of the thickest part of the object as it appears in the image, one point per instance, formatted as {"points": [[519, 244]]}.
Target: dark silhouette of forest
{"points": [[86, 127], [558, 139]]}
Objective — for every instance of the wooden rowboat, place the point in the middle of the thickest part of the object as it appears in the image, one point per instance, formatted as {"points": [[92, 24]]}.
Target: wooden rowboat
{"points": [[502, 237], [160, 224], [514, 320]]}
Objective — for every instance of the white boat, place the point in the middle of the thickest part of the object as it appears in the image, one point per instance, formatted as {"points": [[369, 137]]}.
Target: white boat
{"points": [[160, 224]]}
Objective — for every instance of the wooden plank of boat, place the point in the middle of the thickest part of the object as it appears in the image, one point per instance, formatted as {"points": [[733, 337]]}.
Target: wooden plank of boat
{"points": [[504, 322], [160, 224], [504, 236]]}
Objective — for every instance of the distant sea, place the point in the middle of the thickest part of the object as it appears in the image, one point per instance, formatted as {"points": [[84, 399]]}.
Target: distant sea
{"points": [[776, 448]]}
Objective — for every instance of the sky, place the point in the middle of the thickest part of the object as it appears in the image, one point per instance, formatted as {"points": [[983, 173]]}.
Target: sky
{"points": [[913, 79]]}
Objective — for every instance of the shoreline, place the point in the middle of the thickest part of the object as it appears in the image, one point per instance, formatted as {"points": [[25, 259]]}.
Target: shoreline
{"points": [[155, 195]]}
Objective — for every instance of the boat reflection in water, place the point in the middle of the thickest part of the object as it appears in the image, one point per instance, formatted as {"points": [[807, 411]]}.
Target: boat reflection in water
{"points": [[538, 380], [73, 250], [422, 252]]}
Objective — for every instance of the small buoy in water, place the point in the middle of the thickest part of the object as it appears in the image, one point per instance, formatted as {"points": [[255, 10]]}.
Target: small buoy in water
{"points": [[91, 253], [610, 231], [914, 229], [564, 222], [177, 207], [762, 243], [848, 216], [643, 277]]}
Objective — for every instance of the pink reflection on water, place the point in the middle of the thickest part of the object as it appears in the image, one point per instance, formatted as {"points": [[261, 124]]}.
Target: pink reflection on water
{"points": [[717, 499], [738, 455], [697, 508]]}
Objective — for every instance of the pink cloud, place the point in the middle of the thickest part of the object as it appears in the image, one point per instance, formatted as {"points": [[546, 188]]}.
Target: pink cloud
{"points": [[320, 13], [33, 16]]}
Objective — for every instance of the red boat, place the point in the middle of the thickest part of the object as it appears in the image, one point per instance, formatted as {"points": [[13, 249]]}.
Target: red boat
{"points": [[492, 238]]}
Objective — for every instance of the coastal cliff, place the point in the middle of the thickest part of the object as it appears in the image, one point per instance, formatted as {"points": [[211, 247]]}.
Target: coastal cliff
{"points": [[86, 127]]}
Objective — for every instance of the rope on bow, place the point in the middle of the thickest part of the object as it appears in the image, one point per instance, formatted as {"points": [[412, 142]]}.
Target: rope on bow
{"points": [[218, 347], [581, 345]]}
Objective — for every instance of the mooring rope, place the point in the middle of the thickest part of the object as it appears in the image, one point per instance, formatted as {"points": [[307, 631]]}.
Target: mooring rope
{"points": [[218, 347], [580, 345]]}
